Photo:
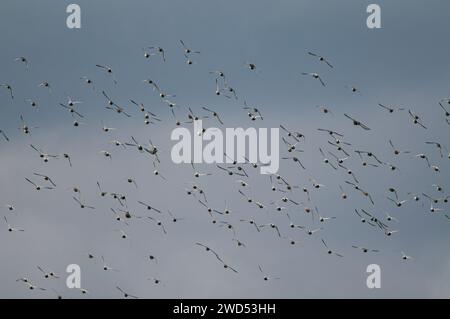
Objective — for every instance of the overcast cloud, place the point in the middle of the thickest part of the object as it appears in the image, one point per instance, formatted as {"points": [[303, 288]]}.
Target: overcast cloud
{"points": [[405, 63]]}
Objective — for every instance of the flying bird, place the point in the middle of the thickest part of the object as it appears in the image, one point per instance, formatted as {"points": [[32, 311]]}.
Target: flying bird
{"points": [[321, 58], [315, 76]]}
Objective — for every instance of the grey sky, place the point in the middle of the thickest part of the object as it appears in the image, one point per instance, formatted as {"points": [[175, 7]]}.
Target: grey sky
{"points": [[405, 63]]}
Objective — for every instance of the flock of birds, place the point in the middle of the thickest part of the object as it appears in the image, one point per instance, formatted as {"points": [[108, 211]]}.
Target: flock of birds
{"points": [[291, 199]]}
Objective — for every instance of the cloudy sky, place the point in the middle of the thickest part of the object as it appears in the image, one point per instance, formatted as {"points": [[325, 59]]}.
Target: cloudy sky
{"points": [[404, 64]]}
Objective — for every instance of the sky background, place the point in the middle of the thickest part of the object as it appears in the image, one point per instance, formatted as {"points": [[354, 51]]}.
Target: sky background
{"points": [[405, 63]]}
